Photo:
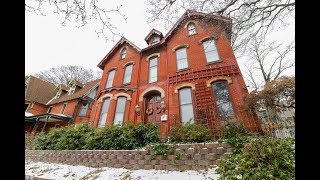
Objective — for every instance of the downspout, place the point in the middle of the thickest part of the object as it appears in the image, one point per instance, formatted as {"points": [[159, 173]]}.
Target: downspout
{"points": [[137, 96], [168, 122]]}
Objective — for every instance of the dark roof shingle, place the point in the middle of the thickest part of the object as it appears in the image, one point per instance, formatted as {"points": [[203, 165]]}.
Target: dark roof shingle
{"points": [[39, 90], [76, 94]]}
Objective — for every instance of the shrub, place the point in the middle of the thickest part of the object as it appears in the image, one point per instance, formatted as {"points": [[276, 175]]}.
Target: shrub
{"points": [[260, 158], [147, 133], [66, 138], [48, 141], [161, 149], [30, 140], [126, 137], [73, 137], [230, 129], [190, 133], [83, 136]]}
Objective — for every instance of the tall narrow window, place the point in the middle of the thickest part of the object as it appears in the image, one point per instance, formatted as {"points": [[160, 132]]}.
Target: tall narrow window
{"points": [[63, 108], [110, 78], [84, 109], [191, 29], [186, 108], [182, 61], [222, 97], [127, 74], [104, 113], [153, 69], [123, 53], [210, 50], [121, 106]]}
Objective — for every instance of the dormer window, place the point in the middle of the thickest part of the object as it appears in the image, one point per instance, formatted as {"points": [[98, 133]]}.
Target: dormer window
{"points": [[71, 90], [123, 53], [191, 29], [155, 40]]}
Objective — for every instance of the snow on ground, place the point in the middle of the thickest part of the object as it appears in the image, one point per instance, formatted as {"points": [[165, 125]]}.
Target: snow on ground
{"points": [[63, 171]]}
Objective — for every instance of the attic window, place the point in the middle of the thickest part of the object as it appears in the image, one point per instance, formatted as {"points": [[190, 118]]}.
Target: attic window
{"points": [[155, 40], [123, 53], [191, 29]]}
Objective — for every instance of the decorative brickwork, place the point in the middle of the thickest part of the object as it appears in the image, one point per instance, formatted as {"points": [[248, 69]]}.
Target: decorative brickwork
{"points": [[185, 157]]}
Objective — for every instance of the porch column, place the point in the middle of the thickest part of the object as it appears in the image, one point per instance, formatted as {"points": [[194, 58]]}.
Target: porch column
{"points": [[45, 124], [35, 125]]}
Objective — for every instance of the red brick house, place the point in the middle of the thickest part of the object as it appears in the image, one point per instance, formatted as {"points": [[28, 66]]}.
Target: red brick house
{"points": [[189, 75], [52, 106]]}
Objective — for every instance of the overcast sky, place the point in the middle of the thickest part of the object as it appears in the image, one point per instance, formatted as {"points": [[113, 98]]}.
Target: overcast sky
{"points": [[48, 44]]}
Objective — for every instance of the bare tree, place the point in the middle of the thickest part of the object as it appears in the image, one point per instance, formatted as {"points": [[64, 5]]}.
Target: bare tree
{"points": [[267, 61], [250, 18], [65, 74], [81, 12]]}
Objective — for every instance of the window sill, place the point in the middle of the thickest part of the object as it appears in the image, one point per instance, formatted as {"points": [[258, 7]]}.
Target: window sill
{"points": [[126, 84], [185, 69], [152, 82], [192, 34], [214, 62]]}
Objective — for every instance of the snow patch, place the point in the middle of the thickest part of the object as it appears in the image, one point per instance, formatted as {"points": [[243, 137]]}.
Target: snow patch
{"points": [[28, 114], [63, 171]]}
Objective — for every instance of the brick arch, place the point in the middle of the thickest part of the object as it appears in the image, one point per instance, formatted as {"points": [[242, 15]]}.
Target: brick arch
{"points": [[128, 63], [122, 94], [151, 55], [113, 68], [193, 86], [105, 96], [152, 88], [218, 78], [215, 37], [191, 21], [180, 46]]}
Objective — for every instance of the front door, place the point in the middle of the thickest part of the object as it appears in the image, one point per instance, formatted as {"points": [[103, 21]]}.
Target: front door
{"points": [[153, 109]]}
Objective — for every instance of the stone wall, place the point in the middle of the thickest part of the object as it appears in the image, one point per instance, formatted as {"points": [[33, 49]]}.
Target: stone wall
{"points": [[183, 157]]}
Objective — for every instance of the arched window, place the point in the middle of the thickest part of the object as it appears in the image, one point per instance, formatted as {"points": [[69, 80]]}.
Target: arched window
{"points": [[182, 60], [222, 97], [153, 69], [123, 53], [211, 51], [120, 109], [104, 113], [191, 29], [186, 107]]}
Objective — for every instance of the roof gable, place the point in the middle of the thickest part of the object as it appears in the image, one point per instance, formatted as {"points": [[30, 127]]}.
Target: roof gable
{"points": [[153, 31], [120, 42], [181, 20], [39, 91], [77, 94]]}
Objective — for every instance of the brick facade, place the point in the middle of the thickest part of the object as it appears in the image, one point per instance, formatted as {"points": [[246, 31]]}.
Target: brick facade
{"points": [[198, 76]]}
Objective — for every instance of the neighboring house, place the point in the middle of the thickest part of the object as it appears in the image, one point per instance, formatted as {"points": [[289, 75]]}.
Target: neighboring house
{"points": [[62, 106], [190, 74]]}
